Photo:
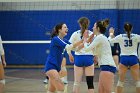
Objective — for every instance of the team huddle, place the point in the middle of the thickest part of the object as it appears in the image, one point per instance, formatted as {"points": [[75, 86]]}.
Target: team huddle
{"points": [[92, 47]]}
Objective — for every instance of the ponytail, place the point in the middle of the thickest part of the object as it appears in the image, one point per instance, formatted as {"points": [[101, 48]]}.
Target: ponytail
{"points": [[103, 25], [84, 22], [54, 33], [128, 28], [128, 34], [106, 23], [56, 29]]}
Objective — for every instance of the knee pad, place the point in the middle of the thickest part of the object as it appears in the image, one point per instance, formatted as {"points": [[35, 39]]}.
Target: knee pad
{"points": [[138, 84], [76, 83], [89, 80], [2, 81], [120, 84]]}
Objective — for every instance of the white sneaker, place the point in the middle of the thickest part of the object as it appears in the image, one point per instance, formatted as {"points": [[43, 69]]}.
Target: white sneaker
{"points": [[45, 81], [64, 80]]}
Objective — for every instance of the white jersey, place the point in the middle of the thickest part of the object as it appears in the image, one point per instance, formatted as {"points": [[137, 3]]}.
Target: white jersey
{"points": [[75, 37], [103, 50], [128, 47], [1, 48], [139, 51]]}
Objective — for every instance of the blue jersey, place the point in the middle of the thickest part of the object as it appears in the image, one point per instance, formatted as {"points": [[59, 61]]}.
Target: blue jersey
{"points": [[65, 54], [55, 56]]}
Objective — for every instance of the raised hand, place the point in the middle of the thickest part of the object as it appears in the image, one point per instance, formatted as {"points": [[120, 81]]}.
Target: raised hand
{"points": [[111, 32]]}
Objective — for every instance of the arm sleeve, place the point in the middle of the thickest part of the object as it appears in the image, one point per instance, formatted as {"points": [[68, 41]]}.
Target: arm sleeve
{"points": [[89, 47], [115, 40], [138, 38], [139, 52], [1, 47], [59, 42], [65, 54], [67, 41]]}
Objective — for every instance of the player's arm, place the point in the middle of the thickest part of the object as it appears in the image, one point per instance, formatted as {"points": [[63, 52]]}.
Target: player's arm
{"points": [[86, 38], [138, 38], [73, 40], [95, 43], [139, 52], [59, 42], [115, 39], [2, 53]]}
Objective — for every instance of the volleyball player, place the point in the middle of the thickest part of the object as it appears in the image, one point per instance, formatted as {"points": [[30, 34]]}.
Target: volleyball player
{"points": [[54, 60], [128, 58], [139, 52], [63, 68], [2, 65], [105, 59], [114, 47], [83, 61]]}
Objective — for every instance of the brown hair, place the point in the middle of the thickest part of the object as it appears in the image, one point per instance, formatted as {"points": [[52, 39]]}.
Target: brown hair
{"points": [[103, 25], [128, 29], [84, 22], [56, 29]]}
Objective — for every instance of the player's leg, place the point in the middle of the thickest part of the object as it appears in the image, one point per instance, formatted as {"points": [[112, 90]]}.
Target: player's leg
{"points": [[63, 67], [122, 74], [107, 81], [78, 72], [55, 80], [2, 78], [89, 72], [135, 74]]}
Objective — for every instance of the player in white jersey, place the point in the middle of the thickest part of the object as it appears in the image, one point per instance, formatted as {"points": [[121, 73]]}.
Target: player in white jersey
{"points": [[105, 59], [139, 52], [2, 65], [114, 47], [128, 43], [83, 61]]}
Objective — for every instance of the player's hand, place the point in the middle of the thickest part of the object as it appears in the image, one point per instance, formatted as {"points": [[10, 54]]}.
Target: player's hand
{"points": [[90, 38], [4, 63], [71, 58], [111, 32], [95, 60]]}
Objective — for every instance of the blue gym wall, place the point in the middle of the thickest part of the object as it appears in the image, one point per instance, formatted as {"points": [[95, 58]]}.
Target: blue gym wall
{"points": [[37, 24]]}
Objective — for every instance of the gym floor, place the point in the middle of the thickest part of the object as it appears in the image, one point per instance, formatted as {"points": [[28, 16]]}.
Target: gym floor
{"points": [[31, 81]]}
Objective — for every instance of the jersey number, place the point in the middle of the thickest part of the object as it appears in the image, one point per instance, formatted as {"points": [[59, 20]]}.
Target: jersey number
{"points": [[128, 43]]}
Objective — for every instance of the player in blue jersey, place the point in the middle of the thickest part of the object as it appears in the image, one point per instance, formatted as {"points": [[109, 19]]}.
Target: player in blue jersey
{"points": [[63, 69], [2, 65], [128, 58], [54, 60], [103, 52], [83, 61]]}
